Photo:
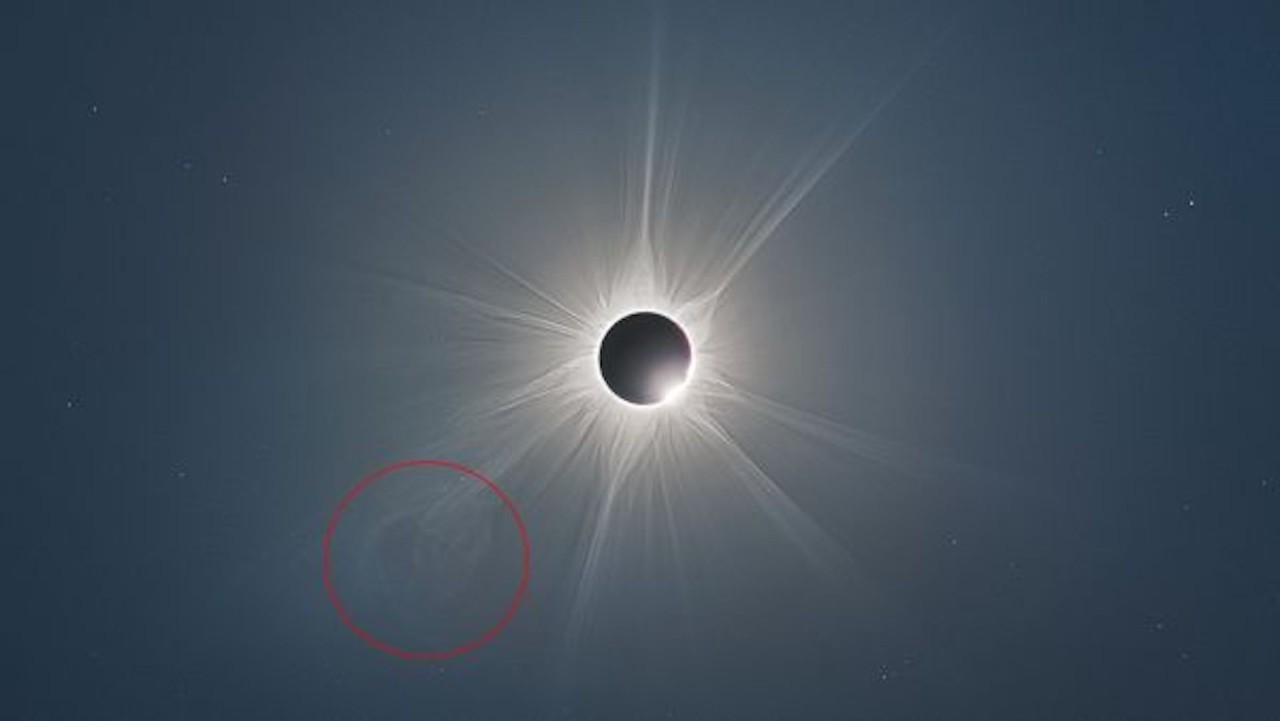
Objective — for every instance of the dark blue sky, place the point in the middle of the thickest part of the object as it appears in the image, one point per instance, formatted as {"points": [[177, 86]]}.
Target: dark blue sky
{"points": [[1047, 268]]}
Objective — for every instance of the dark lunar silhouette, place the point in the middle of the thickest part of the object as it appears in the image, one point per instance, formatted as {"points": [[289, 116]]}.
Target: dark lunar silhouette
{"points": [[644, 357]]}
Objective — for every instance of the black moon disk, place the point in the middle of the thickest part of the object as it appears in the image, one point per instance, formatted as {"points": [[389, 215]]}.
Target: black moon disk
{"points": [[644, 357]]}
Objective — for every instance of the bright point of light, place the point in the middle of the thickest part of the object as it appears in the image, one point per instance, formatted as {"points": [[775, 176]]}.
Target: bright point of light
{"points": [[644, 358]]}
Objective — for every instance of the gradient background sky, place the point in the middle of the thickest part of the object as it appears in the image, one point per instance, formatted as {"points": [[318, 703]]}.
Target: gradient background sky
{"points": [[1050, 259]]}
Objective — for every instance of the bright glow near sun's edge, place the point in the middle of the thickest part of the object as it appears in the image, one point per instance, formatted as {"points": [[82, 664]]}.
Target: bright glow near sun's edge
{"points": [[675, 391]]}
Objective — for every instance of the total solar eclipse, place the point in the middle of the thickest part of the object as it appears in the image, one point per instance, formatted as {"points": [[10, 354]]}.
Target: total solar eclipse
{"points": [[645, 358]]}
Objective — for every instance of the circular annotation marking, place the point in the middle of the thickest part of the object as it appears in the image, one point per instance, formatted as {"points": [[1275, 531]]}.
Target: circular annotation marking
{"points": [[467, 646]]}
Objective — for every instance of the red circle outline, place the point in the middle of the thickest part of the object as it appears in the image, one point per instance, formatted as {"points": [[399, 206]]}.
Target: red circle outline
{"points": [[467, 646]]}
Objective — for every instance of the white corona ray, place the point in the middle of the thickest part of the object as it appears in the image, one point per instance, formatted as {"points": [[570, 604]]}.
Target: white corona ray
{"points": [[863, 444], [480, 310], [806, 175], [531, 288], [817, 546], [645, 237]]}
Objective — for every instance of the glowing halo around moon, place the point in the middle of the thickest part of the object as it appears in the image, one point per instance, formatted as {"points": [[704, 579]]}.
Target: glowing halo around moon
{"points": [[527, 390]]}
